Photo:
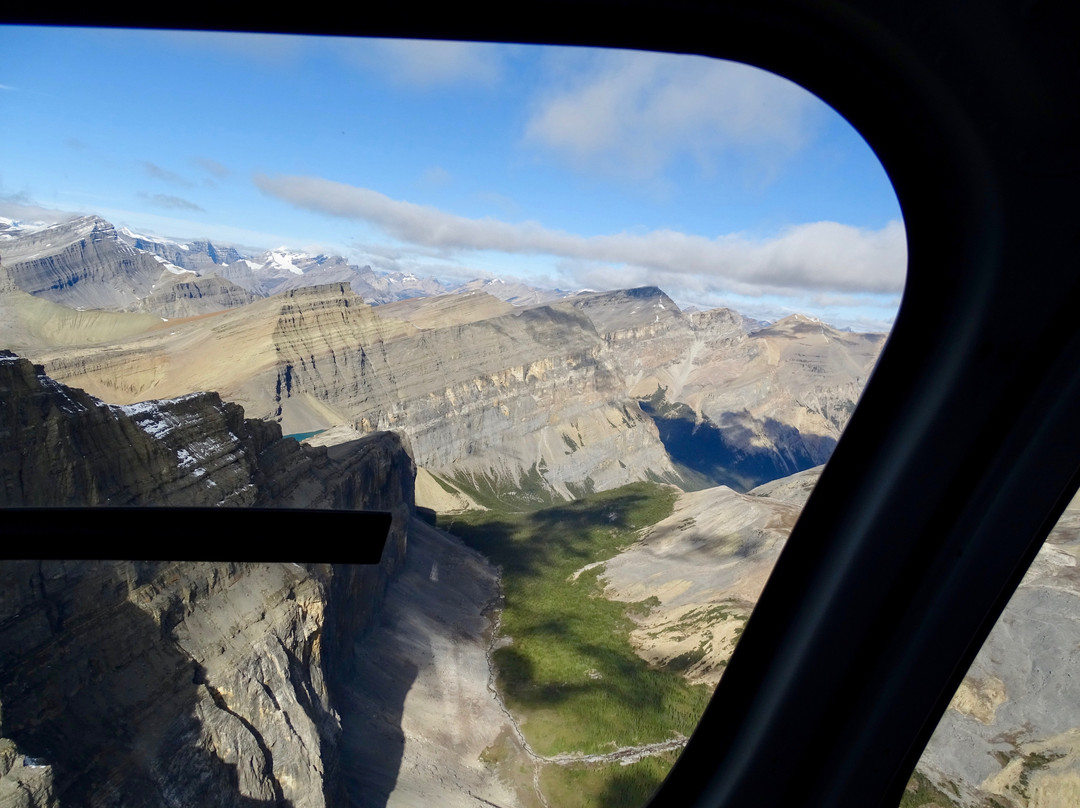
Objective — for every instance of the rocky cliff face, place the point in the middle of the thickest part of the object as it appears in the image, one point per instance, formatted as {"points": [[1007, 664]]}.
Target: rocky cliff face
{"points": [[169, 683], [495, 397], [525, 393], [176, 296], [198, 256], [589, 392]]}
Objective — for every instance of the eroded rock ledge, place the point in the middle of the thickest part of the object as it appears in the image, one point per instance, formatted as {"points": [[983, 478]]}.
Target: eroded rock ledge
{"points": [[178, 683]]}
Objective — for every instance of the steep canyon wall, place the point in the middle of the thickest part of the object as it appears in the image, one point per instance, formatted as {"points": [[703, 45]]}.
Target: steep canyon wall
{"points": [[179, 683], [545, 396]]}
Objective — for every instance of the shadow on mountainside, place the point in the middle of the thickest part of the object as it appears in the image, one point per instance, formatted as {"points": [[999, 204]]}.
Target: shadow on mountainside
{"points": [[570, 669], [370, 691], [371, 708], [90, 683], [529, 545], [416, 712], [724, 452], [631, 787]]}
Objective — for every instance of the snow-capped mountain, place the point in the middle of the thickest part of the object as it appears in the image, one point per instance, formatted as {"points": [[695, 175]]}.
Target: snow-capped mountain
{"points": [[199, 256], [87, 262], [13, 228]]}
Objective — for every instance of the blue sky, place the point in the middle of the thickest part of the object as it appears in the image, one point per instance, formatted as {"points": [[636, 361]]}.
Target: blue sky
{"points": [[566, 167]]}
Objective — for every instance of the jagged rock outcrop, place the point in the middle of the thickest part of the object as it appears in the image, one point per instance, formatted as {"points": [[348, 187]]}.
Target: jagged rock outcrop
{"points": [[198, 256], [60, 446], [24, 781], [180, 683]]}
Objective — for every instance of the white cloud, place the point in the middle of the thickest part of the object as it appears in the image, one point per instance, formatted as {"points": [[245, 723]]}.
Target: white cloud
{"points": [[164, 174], [630, 114], [22, 208], [425, 63], [436, 176], [211, 166], [822, 256]]}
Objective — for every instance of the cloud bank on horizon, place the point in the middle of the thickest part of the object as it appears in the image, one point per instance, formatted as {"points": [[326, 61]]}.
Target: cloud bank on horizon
{"points": [[721, 183], [820, 256]]}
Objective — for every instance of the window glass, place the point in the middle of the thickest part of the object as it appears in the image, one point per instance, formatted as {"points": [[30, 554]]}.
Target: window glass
{"points": [[587, 322]]}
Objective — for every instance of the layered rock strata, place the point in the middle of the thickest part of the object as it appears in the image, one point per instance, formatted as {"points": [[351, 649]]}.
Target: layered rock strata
{"points": [[589, 392], [167, 683], [84, 263], [81, 263], [176, 296], [500, 397]]}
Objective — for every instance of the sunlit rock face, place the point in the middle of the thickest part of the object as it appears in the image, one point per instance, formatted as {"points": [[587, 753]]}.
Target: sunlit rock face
{"points": [[497, 396], [588, 392], [521, 392], [179, 683]]}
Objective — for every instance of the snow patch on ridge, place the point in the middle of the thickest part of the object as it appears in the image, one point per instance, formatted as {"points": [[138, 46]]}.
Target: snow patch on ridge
{"points": [[280, 259], [124, 231], [173, 268]]}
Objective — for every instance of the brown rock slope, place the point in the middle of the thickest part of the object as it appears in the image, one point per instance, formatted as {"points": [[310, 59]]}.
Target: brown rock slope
{"points": [[586, 393], [495, 397], [705, 566]]}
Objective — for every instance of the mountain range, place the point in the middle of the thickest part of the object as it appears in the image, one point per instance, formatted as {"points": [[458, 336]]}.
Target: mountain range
{"points": [[502, 391], [86, 262], [403, 392]]}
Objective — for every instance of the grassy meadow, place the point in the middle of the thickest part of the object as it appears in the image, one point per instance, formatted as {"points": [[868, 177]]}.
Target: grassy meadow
{"points": [[569, 673]]}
